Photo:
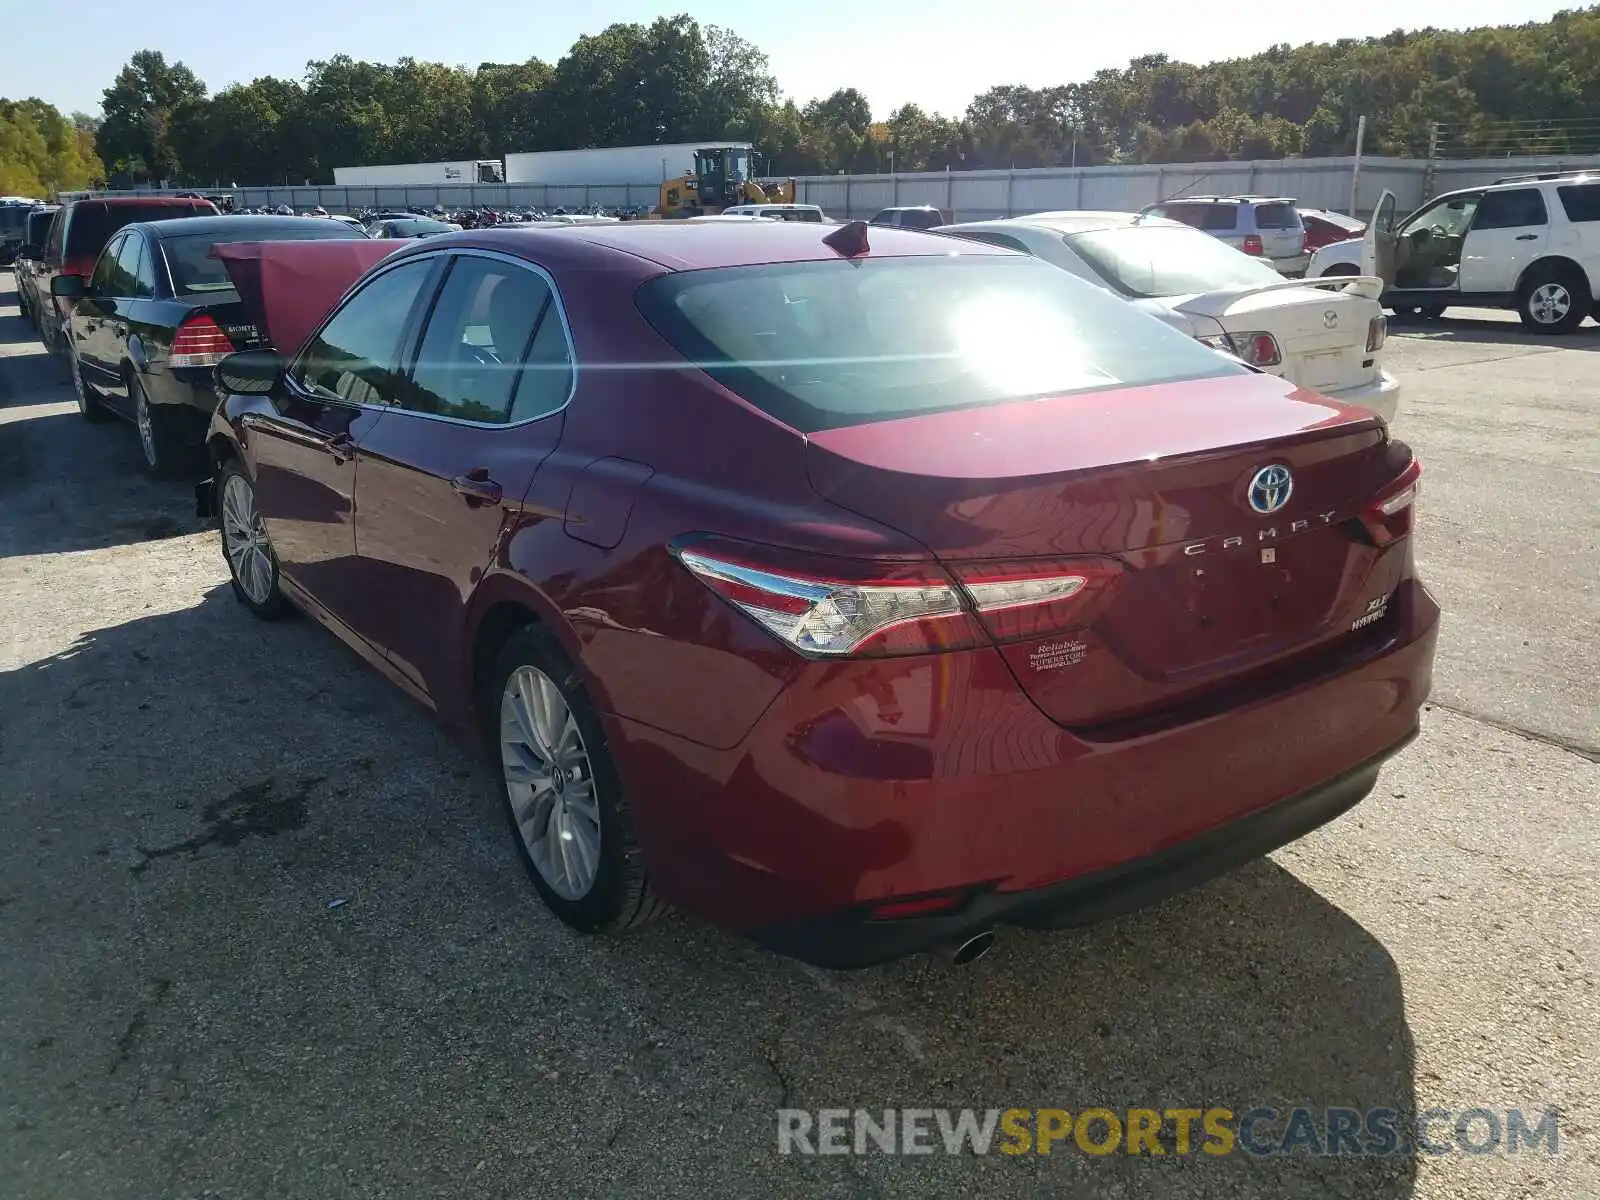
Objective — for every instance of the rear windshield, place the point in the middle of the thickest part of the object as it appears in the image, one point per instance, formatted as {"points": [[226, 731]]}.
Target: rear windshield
{"points": [[38, 226], [91, 225], [418, 227], [1278, 216], [1157, 260], [194, 271], [820, 345], [12, 219]]}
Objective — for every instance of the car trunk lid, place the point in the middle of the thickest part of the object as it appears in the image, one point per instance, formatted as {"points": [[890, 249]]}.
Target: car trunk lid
{"points": [[1321, 326], [1157, 481], [288, 288]]}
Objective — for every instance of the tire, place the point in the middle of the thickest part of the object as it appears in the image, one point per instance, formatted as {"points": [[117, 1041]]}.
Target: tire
{"points": [[165, 454], [1431, 312], [1337, 270], [1553, 300], [255, 581], [534, 697], [90, 407]]}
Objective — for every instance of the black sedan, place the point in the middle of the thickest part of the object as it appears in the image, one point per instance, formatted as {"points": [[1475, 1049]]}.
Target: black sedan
{"points": [[409, 227], [153, 319]]}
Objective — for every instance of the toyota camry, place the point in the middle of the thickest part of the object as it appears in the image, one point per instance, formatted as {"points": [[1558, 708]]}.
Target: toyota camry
{"points": [[855, 589]]}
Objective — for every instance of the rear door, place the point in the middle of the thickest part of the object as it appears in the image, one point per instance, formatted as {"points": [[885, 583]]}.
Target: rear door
{"points": [[90, 320], [1509, 231], [480, 410], [1377, 243]]}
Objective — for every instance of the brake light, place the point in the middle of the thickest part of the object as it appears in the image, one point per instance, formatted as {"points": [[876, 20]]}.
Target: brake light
{"points": [[199, 342], [1258, 349], [838, 608], [1377, 333], [1252, 244], [1392, 513]]}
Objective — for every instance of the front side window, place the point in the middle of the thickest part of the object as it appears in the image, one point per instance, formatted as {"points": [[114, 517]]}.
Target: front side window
{"points": [[825, 344], [106, 277], [355, 357], [469, 366], [1448, 217]]}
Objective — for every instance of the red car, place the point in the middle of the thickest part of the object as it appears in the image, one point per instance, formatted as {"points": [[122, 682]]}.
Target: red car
{"points": [[1324, 227], [855, 589]]}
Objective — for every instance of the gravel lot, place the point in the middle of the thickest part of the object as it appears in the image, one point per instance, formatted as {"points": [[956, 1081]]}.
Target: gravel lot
{"points": [[185, 794]]}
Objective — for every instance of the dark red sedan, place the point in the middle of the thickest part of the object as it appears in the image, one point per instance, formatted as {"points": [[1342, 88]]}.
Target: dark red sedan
{"points": [[857, 597]]}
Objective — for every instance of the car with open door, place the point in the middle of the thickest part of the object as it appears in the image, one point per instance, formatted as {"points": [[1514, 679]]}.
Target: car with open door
{"points": [[855, 588], [156, 313], [1323, 334], [1530, 243]]}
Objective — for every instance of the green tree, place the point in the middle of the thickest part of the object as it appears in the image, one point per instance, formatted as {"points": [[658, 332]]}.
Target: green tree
{"points": [[148, 98]]}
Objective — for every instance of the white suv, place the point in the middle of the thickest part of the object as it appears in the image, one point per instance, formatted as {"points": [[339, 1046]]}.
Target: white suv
{"points": [[1529, 243]]}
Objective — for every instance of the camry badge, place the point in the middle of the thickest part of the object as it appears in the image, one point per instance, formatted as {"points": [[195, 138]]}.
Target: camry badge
{"points": [[1270, 489], [1330, 319]]}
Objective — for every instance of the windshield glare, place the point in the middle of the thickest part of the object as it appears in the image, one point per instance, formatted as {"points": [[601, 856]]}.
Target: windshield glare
{"points": [[1148, 261], [825, 344]]}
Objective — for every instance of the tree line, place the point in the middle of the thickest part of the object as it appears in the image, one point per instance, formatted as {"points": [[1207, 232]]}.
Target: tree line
{"points": [[42, 151], [1507, 89]]}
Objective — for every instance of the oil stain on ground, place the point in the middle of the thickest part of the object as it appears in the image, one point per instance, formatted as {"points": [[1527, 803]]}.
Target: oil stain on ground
{"points": [[255, 810]]}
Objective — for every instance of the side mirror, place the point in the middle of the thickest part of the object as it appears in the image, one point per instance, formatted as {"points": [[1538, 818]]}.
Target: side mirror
{"points": [[69, 287], [250, 372]]}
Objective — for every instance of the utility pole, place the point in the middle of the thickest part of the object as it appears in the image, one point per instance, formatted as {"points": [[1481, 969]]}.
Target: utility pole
{"points": [[1355, 168]]}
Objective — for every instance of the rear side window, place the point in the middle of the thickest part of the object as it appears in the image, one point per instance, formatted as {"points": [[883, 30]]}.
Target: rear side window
{"points": [[820, 345], [485, 320], [1277, 217], [1581, 203], [93, 222], [1511, 209]]}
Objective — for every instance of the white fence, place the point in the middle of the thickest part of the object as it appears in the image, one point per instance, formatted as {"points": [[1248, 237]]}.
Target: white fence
{"points": [[979, 195]]}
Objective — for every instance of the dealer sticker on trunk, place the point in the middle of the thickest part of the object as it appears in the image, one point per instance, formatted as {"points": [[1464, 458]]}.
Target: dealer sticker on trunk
{"points": [[1052, 656]]}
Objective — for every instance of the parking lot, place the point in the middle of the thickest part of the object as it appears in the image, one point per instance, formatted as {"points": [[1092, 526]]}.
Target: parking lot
{"points": [[262, 932]]}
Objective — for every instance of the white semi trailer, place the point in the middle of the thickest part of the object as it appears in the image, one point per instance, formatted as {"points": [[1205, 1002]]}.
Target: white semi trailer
{"points": [[611, 165], [468, 170]]}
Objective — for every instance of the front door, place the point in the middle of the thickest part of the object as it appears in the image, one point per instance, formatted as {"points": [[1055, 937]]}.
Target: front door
{"points": [[1508, 232], [303, 443], [90, 322], [479, 411], [1377, 243]]}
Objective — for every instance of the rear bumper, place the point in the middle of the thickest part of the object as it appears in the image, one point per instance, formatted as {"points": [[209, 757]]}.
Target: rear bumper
{"points": [[879, 780], [1382, 396], [851, 940], [1292, 267]]}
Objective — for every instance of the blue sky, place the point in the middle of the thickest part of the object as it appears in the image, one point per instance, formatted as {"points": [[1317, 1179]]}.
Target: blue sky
{"points": [[937, 53]]}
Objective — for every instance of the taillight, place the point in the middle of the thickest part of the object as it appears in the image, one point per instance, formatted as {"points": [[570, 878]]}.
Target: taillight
{"points": [[1377, 333], [1252, 244], [199, 342], [1030, 599], [840, 608], [1257, 349], [1392, 512]]}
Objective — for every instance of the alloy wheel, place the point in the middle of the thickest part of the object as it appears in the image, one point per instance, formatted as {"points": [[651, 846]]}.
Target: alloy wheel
{"points": [[1550, 303], [147, 429], [244, 538], [550, 783]]}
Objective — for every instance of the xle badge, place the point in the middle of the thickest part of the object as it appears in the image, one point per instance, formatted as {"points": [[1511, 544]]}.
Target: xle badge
{"points": [[1375, 611]]}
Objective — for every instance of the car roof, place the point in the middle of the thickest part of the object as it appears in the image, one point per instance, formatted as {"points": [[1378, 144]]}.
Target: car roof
{"points": [[1071, 221], [153, 201], [692, 246], [233, 226], [1226, 200]]}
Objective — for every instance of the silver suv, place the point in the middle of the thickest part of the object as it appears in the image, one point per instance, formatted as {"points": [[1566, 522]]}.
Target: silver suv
{"points": [[1262, 226]]}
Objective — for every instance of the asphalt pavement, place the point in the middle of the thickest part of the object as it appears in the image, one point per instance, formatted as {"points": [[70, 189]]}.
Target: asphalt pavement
{"points": [[262, 932]]}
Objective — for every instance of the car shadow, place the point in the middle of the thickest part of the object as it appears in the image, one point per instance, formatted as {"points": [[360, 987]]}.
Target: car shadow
{"points": [[254, 898], [1480, 331]]}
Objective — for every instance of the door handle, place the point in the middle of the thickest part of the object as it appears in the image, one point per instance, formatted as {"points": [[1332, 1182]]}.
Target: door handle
{"points": [[475, 487], [341, 447], [1527, 237]]}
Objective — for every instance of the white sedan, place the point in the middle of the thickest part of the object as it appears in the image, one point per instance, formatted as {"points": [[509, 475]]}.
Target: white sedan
{"points": [[1323, 334]]}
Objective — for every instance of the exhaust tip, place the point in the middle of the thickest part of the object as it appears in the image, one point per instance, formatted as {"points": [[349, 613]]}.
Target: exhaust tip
{"points": [[971, 950]]}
